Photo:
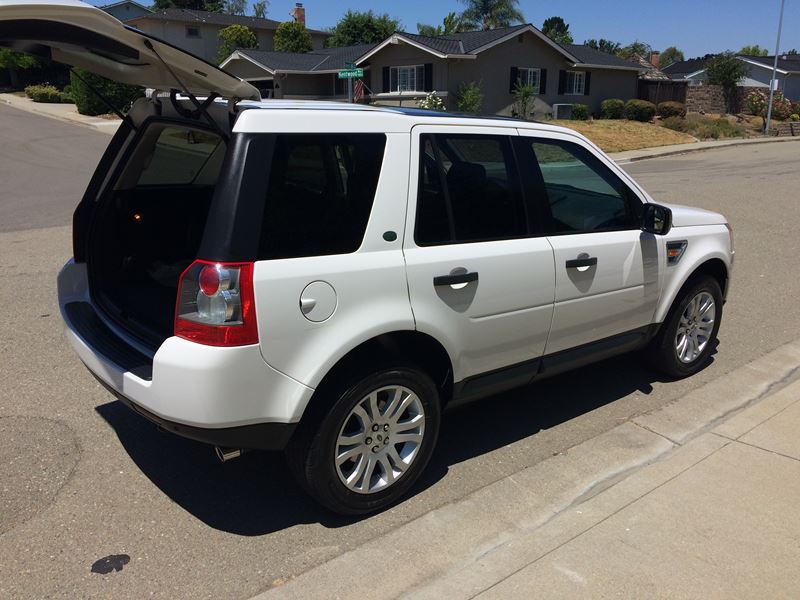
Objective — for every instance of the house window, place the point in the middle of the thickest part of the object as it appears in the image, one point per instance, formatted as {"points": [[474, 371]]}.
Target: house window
{"points": [[193, 32], [407, 78], [575, 83], [530, 77]]}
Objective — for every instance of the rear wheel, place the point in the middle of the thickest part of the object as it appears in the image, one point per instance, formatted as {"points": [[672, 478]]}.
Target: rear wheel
{"points": [[684, 343], [373, 443]]}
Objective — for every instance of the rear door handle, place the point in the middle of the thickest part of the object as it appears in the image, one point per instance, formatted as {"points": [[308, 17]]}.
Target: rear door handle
{"points": [[455, 279], [588, 261]]}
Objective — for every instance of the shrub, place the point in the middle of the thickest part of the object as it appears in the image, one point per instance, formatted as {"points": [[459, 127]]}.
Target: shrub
{"points": [[431, 102], [640, 110], [671, 109], [613, 108], [794, 117], [580, 112], [675, 123], [65, 98], [469, 97], [781, 107], [43, 93], [703, 127], [524, 98], [119, 95], [755, 103]]}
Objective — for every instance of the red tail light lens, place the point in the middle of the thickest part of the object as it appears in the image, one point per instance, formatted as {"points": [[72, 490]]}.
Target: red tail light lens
{"points": [[215, 304]]}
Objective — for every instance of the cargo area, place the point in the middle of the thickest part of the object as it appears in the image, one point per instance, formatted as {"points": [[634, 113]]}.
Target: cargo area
{"points": [[148, 227]]}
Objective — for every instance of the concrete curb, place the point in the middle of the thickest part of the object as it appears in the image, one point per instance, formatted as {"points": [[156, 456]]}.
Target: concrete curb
{"points": [[467, 546]]}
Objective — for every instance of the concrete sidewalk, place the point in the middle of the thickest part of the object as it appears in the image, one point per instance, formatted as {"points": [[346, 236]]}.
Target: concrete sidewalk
{"points": [[62, 112], [696, 500]]}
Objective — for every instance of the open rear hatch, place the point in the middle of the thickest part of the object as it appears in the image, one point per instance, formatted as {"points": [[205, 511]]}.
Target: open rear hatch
{"points": [[81, 35], [143, 217]]}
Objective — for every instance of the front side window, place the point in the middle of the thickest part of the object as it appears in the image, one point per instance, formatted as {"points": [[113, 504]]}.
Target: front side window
{"points": [[320, 193], [468, 190], [530, 77], [575, 83], [583, 195], [407, 78]]}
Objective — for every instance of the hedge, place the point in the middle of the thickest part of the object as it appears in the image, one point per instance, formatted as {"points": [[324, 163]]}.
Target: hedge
{"points": [[640, 110], [121, 96], [613, 108]]}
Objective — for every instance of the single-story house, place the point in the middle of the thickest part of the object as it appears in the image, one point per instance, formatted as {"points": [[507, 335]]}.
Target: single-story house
{"points": [[405, 67], [126, 10], [197, 31], [759, 72]]}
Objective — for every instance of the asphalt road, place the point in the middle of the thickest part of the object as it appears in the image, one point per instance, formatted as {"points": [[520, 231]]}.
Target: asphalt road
{"points": [[85, 482]]}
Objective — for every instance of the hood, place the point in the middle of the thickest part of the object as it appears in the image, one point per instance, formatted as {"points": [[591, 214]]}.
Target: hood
{"points": [[687, 216], [77, 34]]}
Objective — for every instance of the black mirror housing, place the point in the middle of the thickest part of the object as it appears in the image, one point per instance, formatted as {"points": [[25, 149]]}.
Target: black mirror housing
{"points": [[656, 219]]}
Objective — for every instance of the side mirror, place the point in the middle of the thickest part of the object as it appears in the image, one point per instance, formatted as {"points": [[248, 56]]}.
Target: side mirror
{"points": [[656, 219]]}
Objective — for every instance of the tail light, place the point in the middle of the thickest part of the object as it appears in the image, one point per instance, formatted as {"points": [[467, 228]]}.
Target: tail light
{"points": [[215, 304]]}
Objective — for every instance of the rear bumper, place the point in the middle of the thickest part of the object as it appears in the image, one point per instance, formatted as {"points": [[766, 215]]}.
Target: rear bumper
{"points": [[223, 396]]}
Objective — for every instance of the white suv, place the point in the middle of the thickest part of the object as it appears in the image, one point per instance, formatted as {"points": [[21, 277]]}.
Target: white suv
{"points": [[326, 278]]}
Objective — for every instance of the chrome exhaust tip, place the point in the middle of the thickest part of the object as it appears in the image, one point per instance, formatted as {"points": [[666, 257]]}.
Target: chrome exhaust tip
{"points": [[226, 454]]}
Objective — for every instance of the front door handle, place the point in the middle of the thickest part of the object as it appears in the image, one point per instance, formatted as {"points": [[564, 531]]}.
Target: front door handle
{"points": [[455, 279], [583, 261]]}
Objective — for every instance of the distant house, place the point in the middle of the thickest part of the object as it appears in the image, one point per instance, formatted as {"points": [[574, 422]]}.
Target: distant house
{"points": [[759, 72], [405, 67], [125, 10], [197, 31]]}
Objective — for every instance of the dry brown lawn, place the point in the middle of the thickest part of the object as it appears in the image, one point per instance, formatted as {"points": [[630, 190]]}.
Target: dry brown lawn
{"points": [[619, 136]]}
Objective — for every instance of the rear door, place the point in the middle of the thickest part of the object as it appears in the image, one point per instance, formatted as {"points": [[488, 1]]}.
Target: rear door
{"points": [[78, 34], [480, 274], [606, 268]]}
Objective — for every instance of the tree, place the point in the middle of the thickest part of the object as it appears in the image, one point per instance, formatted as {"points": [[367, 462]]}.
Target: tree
{"points": [[233, 37], [754, 50], [557, 30], [670, 55], [792, 52], [635, 48], [490, 14], [13, 62], [235, 7], [260, 9], [603, 45], [362, 28], [726, 70], [292, 36], [450, 24]]}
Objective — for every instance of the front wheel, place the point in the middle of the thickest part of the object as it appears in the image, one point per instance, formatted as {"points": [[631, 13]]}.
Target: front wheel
{"points": [[373, 443], [684, 343]]}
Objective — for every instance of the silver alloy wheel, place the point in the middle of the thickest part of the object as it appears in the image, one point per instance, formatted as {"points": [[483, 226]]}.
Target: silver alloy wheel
{"points": [[695, 327], [379, 439]]}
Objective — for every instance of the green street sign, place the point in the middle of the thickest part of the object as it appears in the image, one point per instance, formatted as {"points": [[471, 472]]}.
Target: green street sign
{"points": [[351, 74]]}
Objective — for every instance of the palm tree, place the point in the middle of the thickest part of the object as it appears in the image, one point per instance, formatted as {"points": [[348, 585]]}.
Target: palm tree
{"points": [[490, 14]]}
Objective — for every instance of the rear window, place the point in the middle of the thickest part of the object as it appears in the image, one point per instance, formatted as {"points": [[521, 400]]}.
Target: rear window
{"points": [[320, 193], [182, 156]]}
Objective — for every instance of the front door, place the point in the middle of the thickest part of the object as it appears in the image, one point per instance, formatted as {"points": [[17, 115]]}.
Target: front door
{"points": [[480, 273], [606, 268]]}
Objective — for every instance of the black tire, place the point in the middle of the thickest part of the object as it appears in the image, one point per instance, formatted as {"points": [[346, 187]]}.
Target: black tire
{"points": [[311, 454], [662, 353]]}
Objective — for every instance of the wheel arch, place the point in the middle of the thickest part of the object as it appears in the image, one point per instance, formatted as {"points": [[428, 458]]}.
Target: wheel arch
{"points": [[715, 266], [410, 346]]}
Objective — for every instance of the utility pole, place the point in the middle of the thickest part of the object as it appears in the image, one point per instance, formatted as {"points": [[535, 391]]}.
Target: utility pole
{"points": [[773, 81]]}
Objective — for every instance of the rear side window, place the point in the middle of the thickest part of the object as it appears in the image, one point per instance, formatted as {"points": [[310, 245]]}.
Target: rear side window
{"points": [[583, 194], [320, 193], [181, 156], [468, 191]]}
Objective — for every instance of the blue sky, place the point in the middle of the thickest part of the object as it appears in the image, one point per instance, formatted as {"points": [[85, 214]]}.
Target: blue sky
{"points": [[695, 26]]}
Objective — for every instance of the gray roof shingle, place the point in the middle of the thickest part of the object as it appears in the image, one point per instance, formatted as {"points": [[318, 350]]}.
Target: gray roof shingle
{"points": [[327, 59], [590, 56]]}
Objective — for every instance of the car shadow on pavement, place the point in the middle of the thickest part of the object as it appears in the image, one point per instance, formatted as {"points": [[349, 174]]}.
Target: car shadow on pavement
{"points": [[256, 494]]}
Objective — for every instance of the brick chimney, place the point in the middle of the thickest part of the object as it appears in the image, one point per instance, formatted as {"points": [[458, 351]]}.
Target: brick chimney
{"points": [[299, 13], [655, 58]]}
